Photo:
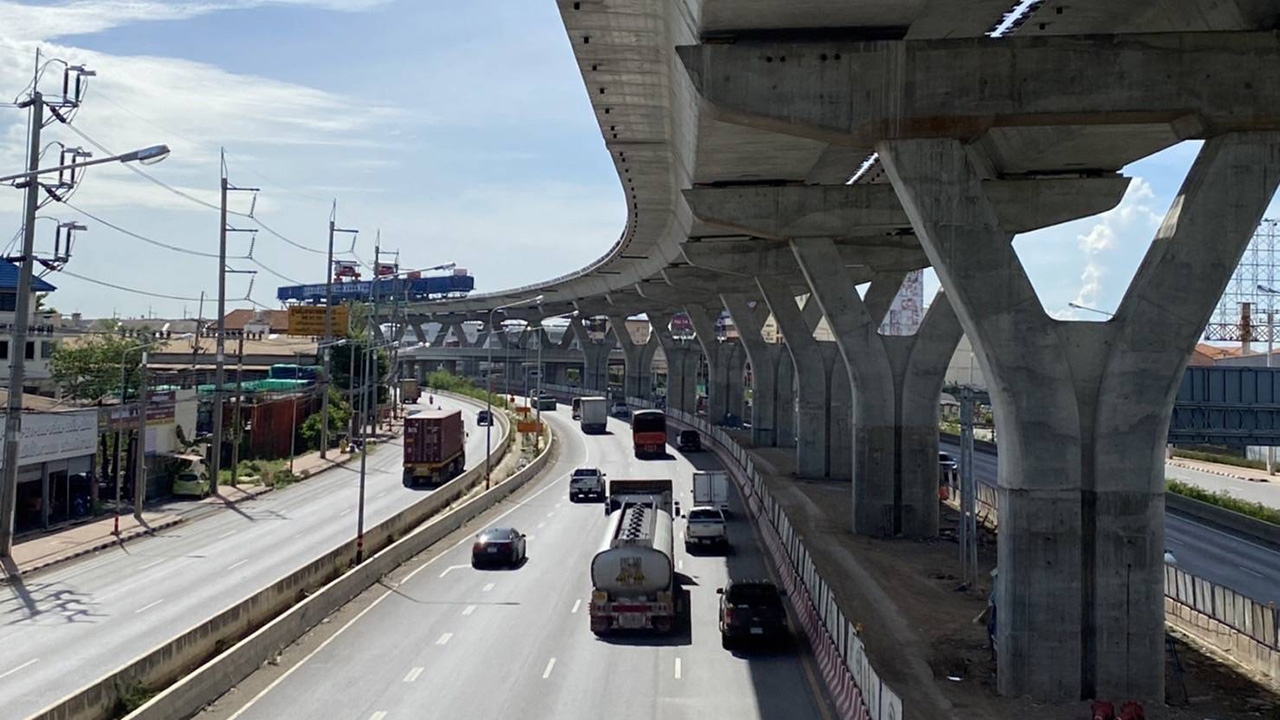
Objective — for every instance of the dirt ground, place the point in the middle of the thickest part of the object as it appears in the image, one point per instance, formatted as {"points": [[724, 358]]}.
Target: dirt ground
{"points": [[919, 624]]}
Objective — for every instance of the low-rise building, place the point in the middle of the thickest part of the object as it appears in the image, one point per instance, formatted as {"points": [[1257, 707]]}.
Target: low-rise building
{"points": [[55, 462]]}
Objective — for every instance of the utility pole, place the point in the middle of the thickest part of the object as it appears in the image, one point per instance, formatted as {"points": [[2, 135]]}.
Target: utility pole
{"points": [[968, 495], [364, 450], [220, 360], [140, 477], [328, 330], [18, 345]]}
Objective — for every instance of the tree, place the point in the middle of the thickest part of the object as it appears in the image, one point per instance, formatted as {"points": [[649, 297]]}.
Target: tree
{"points": [[341, 370], [92, 368], [339, 416]]}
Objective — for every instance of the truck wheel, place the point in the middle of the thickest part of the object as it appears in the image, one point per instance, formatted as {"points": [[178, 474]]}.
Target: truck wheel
{"points": [[725, 642]]}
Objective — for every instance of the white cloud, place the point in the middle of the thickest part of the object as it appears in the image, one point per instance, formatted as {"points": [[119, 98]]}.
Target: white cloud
{"points": [[1133, 221]]}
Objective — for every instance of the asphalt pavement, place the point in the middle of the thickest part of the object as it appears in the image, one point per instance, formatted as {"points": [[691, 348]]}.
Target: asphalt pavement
{"points": [[64, 628], [1245, 566], [449, 641]]}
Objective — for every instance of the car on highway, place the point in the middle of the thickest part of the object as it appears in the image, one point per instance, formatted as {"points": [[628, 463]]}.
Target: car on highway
{"points": [[484, 418], [619, 409], [586, 483], [546, 401], [751, 610], [689, 441], [498, 546], [705, 526]]}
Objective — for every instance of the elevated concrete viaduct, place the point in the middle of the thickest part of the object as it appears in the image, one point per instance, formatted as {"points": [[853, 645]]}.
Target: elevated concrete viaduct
{"points": [[734, 126]]}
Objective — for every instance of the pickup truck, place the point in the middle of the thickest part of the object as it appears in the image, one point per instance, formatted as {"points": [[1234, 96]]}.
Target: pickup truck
{"points": [[705, 526], [586, 483]]}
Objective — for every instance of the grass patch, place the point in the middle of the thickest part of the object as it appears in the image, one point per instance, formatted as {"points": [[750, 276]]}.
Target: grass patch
{"points": [[1219, 458], [131, 697], [1225, 500], [442, 380], [274, 473]]}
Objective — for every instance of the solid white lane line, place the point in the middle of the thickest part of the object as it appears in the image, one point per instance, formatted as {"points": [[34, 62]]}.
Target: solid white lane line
{"points": [[150, 565], [550, 664], [344, 512], [444, 639], [576, 604], [285, 675], [226, 535], [487, 588], [378, 715], [148, 607], [236, 565], [1250, 571], [26, 664], [413, 674], [550, 514], [451, 568], [542, 525], [677, 668], [384, 492], [468, 609]]}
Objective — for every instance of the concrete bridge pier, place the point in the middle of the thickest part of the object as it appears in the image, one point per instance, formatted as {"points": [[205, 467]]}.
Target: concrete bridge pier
{"points": [[682, 364], [765, 359], [595, 364], [718, 355], [812, 380], [1082, 410], [785, 387], [638, 369]]}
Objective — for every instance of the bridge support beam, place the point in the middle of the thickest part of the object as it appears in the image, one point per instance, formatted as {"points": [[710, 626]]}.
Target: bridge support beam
{"points": [[638, 372], [719, 359], [595, 357], [785, 386], [1082, 410], [682, 364], [812, 376], [764, 358]]}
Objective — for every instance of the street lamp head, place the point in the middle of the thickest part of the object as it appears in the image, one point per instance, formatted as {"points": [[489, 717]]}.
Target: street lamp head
{"points": [[148, 155], [1268, 290]]}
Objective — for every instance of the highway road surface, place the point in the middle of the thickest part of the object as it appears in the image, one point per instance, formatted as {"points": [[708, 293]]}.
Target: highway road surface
{"points": [[1242, 565], [63, 628], [443, 640]]}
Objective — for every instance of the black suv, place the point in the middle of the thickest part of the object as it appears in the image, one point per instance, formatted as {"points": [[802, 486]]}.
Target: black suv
{"points": [[689, 441], [752, 610]]}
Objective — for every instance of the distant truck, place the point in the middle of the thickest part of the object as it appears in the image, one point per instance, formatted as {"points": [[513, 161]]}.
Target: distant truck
{"points": [[649, 433], [434, 446], [594, 414], [711, 489], [576, 408], [410, 390], [633, 580]]}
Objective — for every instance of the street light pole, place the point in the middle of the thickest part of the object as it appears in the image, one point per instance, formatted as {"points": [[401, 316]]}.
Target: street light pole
{"points": [[488, 396]]}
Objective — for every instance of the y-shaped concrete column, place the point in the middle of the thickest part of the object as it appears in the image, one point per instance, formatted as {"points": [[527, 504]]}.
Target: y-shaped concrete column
{"points": [[682, 364], [1082, 410], [595, 372], [718, 355], [638, 372], [764, 358], [898, 381], [785, 386], [735, 369], [812, 375]]}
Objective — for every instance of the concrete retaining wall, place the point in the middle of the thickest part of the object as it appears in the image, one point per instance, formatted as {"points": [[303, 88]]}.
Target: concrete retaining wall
{"points": [[169, 661], [1229, 520]]}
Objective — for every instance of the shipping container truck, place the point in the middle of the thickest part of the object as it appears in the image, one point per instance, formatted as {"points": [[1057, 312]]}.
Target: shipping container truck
{"points": [[711, 489], [434, 446], [633, 579], [594, 414]]}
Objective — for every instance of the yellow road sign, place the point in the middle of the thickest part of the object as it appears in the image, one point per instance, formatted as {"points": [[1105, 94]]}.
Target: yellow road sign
{"points": [[308, 320]]}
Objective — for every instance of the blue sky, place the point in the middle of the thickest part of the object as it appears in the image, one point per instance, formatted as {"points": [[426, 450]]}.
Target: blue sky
{"points": [[461, 130]]}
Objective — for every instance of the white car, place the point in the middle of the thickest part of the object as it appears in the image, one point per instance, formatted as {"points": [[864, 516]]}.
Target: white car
{"points": [[705, 526], [620, 409]]}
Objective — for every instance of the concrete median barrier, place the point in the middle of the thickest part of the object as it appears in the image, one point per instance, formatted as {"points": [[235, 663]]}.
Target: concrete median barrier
{"points": [[328, 575]]}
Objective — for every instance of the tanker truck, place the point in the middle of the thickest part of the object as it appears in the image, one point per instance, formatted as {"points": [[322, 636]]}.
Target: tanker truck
{"points": [[633, 576]]}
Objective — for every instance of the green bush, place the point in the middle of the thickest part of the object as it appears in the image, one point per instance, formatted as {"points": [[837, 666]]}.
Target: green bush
{"points": [[1219, 458], [442, 380], [1225, 500]]}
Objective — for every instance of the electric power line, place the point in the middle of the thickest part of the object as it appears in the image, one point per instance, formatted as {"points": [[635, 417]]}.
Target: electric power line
{"points": [[130, 233]]}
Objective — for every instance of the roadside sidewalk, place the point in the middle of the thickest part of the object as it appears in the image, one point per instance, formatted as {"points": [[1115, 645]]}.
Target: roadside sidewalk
{"points": [[1232, 471], [53, 548]]}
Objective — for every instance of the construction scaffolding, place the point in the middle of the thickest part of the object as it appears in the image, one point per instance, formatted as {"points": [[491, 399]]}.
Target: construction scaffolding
{"points": [[1241, 315]]}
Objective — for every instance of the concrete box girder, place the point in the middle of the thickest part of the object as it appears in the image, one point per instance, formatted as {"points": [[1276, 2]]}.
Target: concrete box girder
{"points": [[865, 92]]}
